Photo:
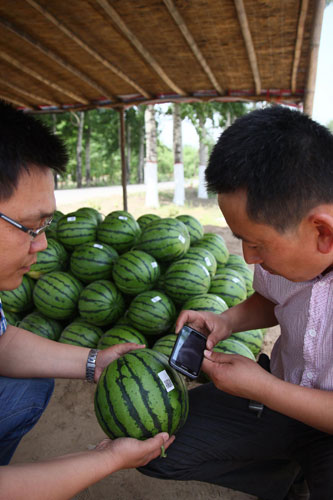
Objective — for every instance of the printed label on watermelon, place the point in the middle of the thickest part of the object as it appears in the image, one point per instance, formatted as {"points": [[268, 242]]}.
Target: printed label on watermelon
{"points": [[166, 380], [208, 262], [154, 264], [156, 299], [181, 238], [97, 245], [71, 219], [122, 217]]}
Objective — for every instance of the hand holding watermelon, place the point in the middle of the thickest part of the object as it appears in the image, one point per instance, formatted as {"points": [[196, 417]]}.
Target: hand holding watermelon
{"points": [[106, 356]]}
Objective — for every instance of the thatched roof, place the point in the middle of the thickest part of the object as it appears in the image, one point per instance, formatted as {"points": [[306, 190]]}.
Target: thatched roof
{"points": [[57, 55]]}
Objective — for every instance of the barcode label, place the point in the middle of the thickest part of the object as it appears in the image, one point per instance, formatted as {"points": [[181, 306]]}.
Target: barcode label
{"points": [[154, 264], [122, 217], [166, 380], [97, 245], [181, 238], [156, 299], [71, 219], [208, 262]]}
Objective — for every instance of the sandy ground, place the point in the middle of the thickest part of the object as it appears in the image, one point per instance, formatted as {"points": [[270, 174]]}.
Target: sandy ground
{"points": [[69, 425]]}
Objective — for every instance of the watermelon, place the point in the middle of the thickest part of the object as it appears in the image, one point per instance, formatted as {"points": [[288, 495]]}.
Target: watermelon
{"points": [[119, 335], [51, 230], [53, 258], [236, 260], [204, 256], [120, 230], [39, 324], [135, 272], [151, 312], [253, 339], [194, 227], [91, 212], [81, 333], [74, 229], [19, 300], [216, 245], [165, 344], [93, 261], [165, 239], [186, 278], [229, 285], [12, 318], [233, 346], [56, 294], [247, 275], [146, 219], [139, 395], [206, 302], [101, 303]]}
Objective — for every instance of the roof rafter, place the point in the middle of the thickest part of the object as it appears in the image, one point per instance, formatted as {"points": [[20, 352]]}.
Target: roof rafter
{"points": [[24, 92], [251, 53], [52, 55], [15, 101], [86, 47], [299, 42], [192, 44], [114, 16]]}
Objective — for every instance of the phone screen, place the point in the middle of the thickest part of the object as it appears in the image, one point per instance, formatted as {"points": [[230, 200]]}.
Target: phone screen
{"points": [[187, 354]]}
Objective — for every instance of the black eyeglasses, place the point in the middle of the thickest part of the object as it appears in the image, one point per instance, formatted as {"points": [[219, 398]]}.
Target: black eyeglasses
{"points": [[33, 233]]}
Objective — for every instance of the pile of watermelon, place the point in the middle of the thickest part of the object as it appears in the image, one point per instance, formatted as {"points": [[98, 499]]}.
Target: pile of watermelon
{"points": [[104, 281]]}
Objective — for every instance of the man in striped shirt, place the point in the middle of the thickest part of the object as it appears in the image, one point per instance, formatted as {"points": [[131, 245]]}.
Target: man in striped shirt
{"points": [[273, 173]]}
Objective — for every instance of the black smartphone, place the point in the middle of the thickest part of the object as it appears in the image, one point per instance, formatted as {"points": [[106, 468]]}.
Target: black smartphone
{"points": [[187, 353]]}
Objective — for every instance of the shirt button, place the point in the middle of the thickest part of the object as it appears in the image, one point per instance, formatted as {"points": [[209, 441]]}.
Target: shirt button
{"points": [[309, 375], [312, 332]]}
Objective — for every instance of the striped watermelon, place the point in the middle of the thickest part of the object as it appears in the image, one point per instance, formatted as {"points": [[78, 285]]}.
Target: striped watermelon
{"points": [[37, 323], [165, 344], [204, 256], [53, 258], [20, 299], [81, 333], [216, 245], [236, 260], [91, 212], [12, 318], [233, 346], [186, 278], [151, 312], [56, 295], [140, 395], [101, 303], [206, 302], [247, 275], [120, 230], [119, 335], [253, 339], [93, 261], [165, 239], [146, 219], [135, 272], [194, 227], [51, 230], [74, 229], [229, 285]]}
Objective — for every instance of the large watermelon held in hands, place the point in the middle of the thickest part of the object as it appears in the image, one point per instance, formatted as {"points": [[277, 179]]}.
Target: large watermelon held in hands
{"points": [[139, 395], [151, 312], [135, 272]]}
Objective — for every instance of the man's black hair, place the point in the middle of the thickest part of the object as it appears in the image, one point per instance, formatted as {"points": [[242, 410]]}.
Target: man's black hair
{"points": [[281, 158], [25, 141]]}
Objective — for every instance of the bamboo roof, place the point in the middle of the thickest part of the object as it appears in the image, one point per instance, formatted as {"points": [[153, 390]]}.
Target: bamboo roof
{"points": [[60, 55]]}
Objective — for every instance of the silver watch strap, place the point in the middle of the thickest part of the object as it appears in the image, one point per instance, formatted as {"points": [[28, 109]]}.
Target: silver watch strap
{"points": [[91, 365]]}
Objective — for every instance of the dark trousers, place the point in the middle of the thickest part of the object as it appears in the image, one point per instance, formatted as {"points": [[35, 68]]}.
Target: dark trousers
{"points": [[225, 443]]}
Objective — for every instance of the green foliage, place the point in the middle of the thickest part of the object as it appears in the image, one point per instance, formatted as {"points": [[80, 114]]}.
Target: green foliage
{"points": [[330, 126]]}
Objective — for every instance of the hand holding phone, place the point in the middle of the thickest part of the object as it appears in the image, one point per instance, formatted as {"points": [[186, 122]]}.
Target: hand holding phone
{"points": [[187, 354]]}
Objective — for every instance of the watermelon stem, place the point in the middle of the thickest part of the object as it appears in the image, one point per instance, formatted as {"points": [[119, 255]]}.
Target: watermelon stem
{"points": [[163, 454]]}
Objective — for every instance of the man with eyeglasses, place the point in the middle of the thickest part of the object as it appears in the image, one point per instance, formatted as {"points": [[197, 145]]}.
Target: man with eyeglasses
{"points": [[29, 156]]}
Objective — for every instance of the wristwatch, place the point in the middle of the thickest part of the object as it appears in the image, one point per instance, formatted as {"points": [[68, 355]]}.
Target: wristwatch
{"points": [[91, 365]]}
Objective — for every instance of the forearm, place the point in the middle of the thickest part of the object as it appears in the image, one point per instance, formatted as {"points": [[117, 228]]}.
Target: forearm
{"points": [[24, 354]]}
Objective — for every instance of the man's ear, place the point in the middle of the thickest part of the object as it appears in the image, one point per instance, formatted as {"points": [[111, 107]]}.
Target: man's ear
{"points": [[323, 222]]}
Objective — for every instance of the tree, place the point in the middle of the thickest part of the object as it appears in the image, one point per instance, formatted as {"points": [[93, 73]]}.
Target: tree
{"points": [[179, 190], [150, 172]]}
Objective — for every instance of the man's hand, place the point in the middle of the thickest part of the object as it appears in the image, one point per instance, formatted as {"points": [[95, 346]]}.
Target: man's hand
{"points": [[215, 326], [106, 356]]}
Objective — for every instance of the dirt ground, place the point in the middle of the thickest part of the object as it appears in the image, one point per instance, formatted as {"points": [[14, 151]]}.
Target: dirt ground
{"points": [[69, 425]]}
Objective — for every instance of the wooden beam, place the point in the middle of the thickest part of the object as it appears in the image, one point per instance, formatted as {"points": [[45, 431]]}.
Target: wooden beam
{"points": [[107, 64], [7, 98], [299, 42], [123, 157], [33, 97], [192, 44], [117, 20], [21, 67], [313, 59], [251, 53], [52, 55]]}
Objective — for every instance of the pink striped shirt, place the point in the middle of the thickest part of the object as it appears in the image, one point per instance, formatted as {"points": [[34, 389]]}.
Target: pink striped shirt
{"points": [[303, 354]]}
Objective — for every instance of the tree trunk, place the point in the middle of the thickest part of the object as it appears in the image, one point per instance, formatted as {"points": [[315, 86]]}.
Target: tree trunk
{"points": [[79, 151], [87, 145], [179, 191], [128, 149], [150, 173], [203, 157], [141, 162], [54, 130]]}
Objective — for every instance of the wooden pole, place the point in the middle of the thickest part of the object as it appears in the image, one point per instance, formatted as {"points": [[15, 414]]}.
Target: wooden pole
{"points": [[314, 49], [122, 153]]}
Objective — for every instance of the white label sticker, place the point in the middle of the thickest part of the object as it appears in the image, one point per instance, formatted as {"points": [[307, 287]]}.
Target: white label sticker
{"points": [[208, 262], [205, 269], [156, 299], [97, 245], [71, 219], [154, 264], [181, 238], [166, 380], [122, 217]]}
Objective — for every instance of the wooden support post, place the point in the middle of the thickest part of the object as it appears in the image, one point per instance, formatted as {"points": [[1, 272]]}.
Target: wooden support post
{"points": [[122, 153]]}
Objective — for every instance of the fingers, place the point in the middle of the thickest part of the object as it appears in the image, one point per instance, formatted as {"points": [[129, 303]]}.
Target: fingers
{"points": [[127, 347], [183, 318]]}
